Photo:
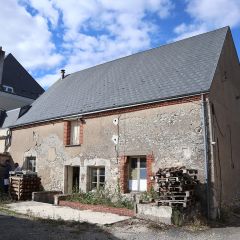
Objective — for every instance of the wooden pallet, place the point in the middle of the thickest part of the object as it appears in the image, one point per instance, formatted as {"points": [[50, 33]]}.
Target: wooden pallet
{"points": [[176, 203], [175, 198], [183, 193], [21, 187]]}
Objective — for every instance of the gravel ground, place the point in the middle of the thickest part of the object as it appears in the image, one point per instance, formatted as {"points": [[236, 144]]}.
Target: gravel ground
{"points": [[14, 226]]}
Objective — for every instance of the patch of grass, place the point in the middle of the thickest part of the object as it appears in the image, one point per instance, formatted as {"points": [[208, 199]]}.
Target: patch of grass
{"points": [[102, 197], [198, 223], [8, 211], [4, 198]]}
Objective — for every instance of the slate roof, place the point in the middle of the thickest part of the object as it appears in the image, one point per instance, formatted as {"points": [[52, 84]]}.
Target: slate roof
{"points": [[16, 76], [177, 69], [10, 117]]}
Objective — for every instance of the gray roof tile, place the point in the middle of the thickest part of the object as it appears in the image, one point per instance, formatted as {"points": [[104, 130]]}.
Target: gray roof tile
{"points": [[181, 68], [10, 118]]}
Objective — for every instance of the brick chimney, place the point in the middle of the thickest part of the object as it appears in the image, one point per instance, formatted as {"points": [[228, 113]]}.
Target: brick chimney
{"points": [[2, 55]]}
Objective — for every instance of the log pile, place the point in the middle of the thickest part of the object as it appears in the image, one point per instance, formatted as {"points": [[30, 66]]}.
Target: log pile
{"points": [[176, 186], [22, 186]]}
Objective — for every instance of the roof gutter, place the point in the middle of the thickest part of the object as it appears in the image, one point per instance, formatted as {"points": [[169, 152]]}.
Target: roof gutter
{"points": [[75, 116]]}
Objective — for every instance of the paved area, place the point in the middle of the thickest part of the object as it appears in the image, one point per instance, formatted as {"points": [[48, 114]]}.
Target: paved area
{"points": [[14, 226], [22, 228], [49, 211]]}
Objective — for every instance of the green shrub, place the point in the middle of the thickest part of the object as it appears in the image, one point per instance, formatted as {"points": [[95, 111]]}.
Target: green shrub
{"points": [[102, 197]]}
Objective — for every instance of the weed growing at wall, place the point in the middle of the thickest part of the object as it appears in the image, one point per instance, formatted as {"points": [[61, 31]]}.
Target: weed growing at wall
{"points": [[4, 198], [102, 197]]}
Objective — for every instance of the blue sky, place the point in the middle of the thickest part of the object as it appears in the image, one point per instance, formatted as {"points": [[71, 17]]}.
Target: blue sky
{"points": [[48, 35]]}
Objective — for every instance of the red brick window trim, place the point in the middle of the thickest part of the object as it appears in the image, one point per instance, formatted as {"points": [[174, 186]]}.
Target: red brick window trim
{"points": [[69, 131], [150, 159], [124, 172]]}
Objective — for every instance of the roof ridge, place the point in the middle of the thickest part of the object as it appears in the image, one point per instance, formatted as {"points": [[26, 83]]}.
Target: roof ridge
{"points": [[147, 50]]}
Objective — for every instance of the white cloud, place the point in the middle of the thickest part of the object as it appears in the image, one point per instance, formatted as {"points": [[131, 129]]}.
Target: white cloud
{"points": [[217, 13], [97, 31], [92, 31], [45, 8], [26, 36], [208, 15], [49, 79]]}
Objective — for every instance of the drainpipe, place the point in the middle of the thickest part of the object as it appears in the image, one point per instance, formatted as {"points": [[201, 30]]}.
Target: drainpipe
{"points": [[8, 140], [205, 139]]}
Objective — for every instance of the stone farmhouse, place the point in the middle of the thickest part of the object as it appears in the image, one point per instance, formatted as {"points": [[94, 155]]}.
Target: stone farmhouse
{"points": [[117, 123]]}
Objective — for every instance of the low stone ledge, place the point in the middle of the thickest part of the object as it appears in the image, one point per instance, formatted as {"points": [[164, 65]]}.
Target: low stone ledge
{"points": [[162, 214], [98, 208], [60, 197], [45, 196]]}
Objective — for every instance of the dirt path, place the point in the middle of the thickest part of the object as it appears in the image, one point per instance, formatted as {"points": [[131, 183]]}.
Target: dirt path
{"points": [[14, 226]]}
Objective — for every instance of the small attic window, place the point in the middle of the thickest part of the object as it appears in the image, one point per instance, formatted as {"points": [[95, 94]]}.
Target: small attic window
{"points": [[8, 89]]}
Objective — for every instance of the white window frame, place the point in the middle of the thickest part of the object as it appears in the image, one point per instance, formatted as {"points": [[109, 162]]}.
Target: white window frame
{"points": [[75, 132], [98, 177], [33, 167], [8, 89], [138, 173]]}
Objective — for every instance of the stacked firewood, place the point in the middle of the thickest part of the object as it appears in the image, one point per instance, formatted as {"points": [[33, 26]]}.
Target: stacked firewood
{"points": [[176, 186], [22, 186]]}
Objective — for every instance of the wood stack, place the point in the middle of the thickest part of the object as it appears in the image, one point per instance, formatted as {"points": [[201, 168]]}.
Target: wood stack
{"points": [[22, 186], [176, 186]]}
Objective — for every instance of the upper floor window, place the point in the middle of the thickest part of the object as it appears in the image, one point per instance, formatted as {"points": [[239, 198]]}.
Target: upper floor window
{"points": [[75, 133], [8, 89]]}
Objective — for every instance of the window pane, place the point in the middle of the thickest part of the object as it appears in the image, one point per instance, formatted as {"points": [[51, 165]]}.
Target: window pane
{"points": [[31, 164], [142, 162], [75, 132], [94, 172], [133, 162], [143, 173], [133, 173], [102, 171], [102, 179], [97, 177]]}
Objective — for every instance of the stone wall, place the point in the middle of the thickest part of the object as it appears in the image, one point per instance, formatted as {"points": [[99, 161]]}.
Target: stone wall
{"points": [[225, 119], [172, 134]]}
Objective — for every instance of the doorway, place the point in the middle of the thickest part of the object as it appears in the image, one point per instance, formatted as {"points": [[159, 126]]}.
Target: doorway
{"points": [[71, 183]]}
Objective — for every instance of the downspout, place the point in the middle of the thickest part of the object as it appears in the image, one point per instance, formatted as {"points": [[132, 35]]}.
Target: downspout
{"points": [[206, 159], [8, 139]]}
